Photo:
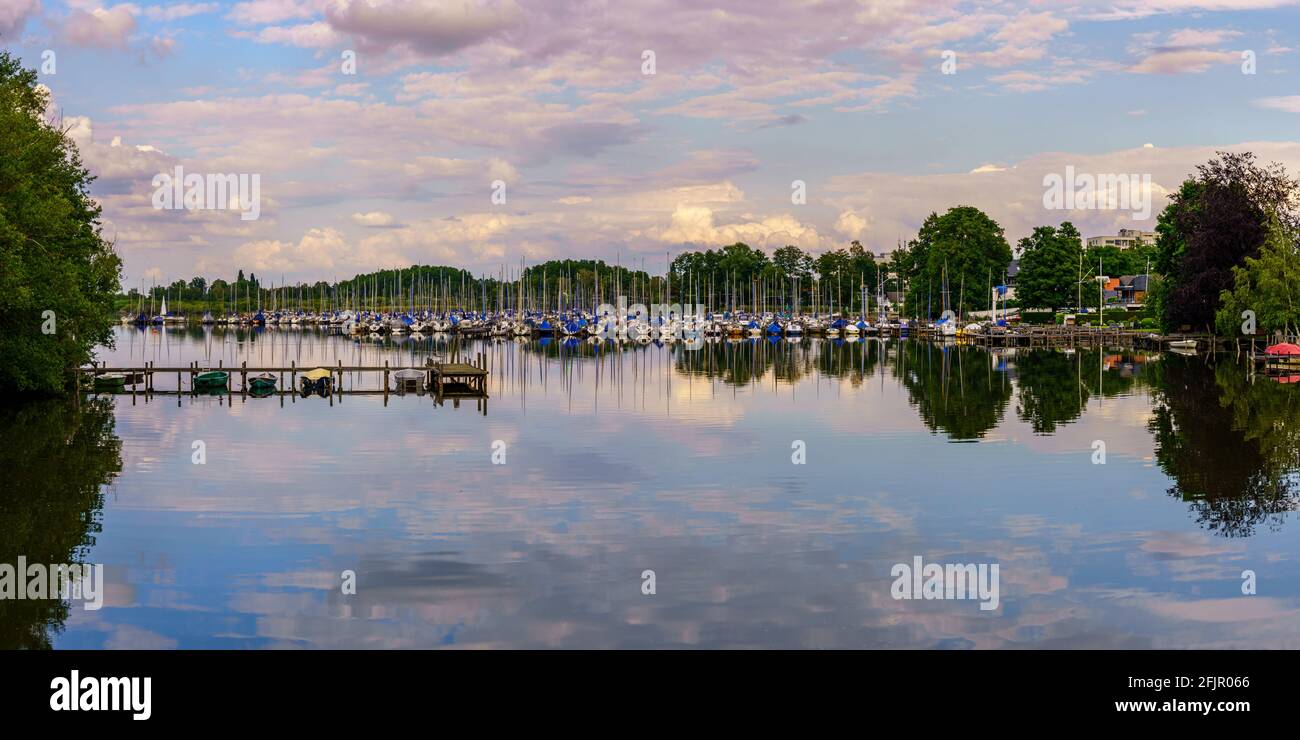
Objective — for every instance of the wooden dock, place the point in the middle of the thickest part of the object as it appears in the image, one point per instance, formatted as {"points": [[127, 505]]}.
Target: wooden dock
{"points": [[444, 380]]}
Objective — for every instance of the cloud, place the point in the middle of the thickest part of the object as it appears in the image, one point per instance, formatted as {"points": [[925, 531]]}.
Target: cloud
{"points": [[430, 27], [1184, 50], [1193, 61], [373, 219], [586, 139], [895, 204], [318, 35], [1289, 104], [793, 119], [259, 12], [322, 247], [851, 225], [14, 15], [99, 27], [178, 11], [695, 225]]}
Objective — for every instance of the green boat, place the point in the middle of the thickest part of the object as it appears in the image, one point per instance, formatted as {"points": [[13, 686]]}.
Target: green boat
{"points": [[211, 379], [257, 392], [110, 381], [262, 382]]}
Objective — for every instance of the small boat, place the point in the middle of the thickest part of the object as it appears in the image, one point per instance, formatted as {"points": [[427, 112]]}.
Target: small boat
{"points": [[261, 382], [318, 380], [1283, 355], [211, 379], [408, 379], [110, 381], [1183, 344]]}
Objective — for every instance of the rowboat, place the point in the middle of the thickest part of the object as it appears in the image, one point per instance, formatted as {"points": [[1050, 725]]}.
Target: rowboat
{"points": [[1183, 344], [409, 379], [261, 381], [318, 380], [110, 381], [211, 379]]}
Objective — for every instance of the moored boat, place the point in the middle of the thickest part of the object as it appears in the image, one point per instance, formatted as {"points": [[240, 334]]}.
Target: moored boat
{"points": [[261, 382], [318, 380], [211, 379]]}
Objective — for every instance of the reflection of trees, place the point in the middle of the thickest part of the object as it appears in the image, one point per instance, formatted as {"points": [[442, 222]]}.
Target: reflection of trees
{"points": [[55, 458], [1229, 444], [750, 360], [1053, 387], [954, 388], [1050, 390], [1111, 373]]}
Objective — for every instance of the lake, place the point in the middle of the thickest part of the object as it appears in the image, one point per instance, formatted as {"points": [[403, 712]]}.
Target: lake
{"points": [[772, 488]]}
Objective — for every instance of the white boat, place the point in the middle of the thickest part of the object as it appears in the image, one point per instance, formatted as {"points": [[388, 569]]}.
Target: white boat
{"points": [[1183, 344]]}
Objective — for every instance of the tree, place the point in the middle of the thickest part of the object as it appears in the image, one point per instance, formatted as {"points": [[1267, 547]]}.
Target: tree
{"points": [[1212, 224], [57, 274], [791, 262], [1049, 267], [955, 253], [1268, 285]]}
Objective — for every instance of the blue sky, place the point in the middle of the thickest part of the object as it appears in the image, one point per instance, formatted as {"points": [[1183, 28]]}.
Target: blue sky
{"points": [[396, 164]]}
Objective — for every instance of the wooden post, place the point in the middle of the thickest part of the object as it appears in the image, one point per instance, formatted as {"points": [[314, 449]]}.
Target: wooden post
{"points": [[385, 382]]}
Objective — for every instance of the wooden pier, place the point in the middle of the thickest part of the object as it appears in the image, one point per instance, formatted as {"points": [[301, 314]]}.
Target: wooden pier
{"points": [[443, 380]]}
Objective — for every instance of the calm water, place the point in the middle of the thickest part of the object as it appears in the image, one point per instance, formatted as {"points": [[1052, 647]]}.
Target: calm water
{"points": [[619, 461]]}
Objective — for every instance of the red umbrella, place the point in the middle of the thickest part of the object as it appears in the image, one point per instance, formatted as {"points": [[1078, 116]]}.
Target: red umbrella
{"points": [[1285, 348]]}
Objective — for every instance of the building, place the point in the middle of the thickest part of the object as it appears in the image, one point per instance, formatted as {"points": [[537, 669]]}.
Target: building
{"points": [[1125, 239], [1132, 289]]}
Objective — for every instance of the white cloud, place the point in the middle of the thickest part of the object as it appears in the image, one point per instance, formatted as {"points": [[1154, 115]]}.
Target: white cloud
{"points": [[373, 218], [177, 11], [316, 35], [99, 27], [1290, 103], [258, 12]]}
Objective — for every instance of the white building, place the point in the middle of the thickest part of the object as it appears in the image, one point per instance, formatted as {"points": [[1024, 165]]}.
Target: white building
{"points": [[1125, 239]]}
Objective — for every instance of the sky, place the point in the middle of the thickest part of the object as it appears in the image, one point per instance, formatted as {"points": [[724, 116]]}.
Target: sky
{"points": [[489, 133]]}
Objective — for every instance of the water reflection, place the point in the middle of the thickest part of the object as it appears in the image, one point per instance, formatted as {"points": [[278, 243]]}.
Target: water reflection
{"points": [[622, 458], [57, 459], [1230, 445]]}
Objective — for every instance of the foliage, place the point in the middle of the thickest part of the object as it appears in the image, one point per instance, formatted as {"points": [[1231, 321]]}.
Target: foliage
{"points": [[1049, 267], [957, 253], [1213, 223], [1268, 285], [52, 257]]}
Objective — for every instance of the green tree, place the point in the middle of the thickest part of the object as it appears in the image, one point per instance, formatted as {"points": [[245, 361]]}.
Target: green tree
{"points": [[1268, 285], [57, 275], [1213, 223], [1049, 267], [957, 253], [791, 262]]}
